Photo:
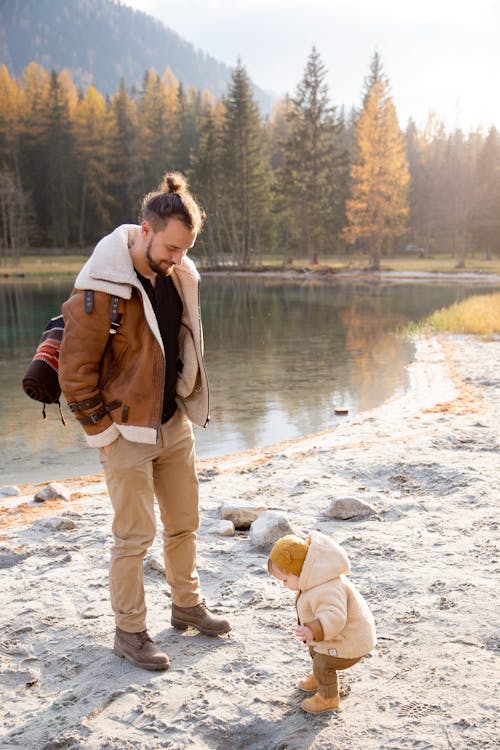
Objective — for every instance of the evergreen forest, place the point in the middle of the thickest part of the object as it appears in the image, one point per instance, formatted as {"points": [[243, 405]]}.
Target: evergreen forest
{"points": [[310, 180]]}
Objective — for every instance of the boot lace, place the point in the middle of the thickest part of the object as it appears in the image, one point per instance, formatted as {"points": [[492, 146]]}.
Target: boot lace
{"points": [[143, 637]]}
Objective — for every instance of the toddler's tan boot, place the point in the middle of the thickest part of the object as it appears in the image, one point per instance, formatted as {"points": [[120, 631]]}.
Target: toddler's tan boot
{"points": [[308, 684], [317, 704]]}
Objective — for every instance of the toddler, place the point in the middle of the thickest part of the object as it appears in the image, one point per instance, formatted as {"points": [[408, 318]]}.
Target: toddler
{"points": [[334, 619]]}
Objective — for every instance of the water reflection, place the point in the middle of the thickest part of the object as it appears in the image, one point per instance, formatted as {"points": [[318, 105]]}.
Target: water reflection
{"points": [[281, 356], [285, 355]]}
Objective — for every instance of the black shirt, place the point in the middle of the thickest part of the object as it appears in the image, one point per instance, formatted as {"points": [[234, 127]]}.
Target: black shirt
{"points": [[168, 310]]}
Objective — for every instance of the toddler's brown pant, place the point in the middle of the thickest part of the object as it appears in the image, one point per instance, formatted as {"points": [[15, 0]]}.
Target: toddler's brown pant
{"points": [[325, 669], [135, 472]]}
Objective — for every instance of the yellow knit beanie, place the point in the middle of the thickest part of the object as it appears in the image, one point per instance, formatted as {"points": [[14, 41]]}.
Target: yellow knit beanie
{"points": [[289, 554]]}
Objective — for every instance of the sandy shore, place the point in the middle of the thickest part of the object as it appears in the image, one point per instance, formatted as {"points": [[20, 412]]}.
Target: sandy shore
{"points": [[428, 462]]}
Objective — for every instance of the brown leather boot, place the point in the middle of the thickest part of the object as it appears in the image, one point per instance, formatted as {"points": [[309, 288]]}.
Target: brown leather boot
{"points": [[317, 704], [199, 617], [140, 650], [308, 684]]}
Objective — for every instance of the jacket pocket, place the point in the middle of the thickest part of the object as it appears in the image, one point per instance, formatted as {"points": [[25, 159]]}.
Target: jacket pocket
{"points": [[110, 364]]}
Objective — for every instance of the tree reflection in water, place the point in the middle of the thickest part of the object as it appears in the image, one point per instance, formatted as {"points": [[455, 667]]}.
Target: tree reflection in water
{"points": [[281, 355]]}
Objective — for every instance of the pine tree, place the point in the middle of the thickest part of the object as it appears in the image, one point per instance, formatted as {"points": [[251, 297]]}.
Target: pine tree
{"points": [[125, 157], [462, 156], [35, 83], [246, 174], [377, 211], [191, 109], [90, 139], [57, 142], [313, 159], [207, 182], [486, 214], [277, 131], [157, 121], [427, 154]]}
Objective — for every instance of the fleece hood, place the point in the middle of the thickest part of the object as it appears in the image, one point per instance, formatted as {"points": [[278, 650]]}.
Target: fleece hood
{"points": [[324, 561]]}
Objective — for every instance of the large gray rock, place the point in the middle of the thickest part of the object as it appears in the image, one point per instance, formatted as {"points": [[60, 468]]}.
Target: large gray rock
{"points": [[268, 528], [350, 508], [53, 491], [241, 514]]}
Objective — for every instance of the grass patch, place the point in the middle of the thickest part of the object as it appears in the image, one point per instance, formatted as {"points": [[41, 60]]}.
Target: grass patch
{"points": [[439, 263], [478, 315], [47, 265]]}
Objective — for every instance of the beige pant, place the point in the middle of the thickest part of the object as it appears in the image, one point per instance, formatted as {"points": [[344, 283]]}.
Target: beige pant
{"points": [[134, 473], [325, 670]]}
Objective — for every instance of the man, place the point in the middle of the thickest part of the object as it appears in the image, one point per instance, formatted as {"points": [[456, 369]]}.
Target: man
{"points": [[131, 369]]}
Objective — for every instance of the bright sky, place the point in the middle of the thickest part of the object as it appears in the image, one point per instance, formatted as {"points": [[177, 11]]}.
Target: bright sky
{"points": [[440, 56]]}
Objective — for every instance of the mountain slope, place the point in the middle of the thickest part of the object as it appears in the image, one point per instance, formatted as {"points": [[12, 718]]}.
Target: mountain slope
{"points": [[101, 41]]}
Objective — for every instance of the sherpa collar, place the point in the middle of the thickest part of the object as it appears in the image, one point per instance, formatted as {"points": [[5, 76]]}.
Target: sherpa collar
{"points": [[110, 269]]}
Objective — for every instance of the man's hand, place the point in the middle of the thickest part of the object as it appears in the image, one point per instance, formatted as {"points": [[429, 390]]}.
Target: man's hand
{"points": [[305, 634]]}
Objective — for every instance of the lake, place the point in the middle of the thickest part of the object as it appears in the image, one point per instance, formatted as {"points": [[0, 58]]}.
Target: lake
{"points": [[281, 357]]}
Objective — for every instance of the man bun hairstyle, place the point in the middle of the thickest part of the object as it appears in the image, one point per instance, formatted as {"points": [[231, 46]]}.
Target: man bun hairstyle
{"points": [[172, 200], [173, 182]]}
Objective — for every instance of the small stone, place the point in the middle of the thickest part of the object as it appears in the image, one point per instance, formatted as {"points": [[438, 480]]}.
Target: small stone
{"points": [[56, 522], [152, 563], [223, 528], [53, 491], [9, 559], [10, 490], [241, 514], [350, 508], [268, 528], [205, 475]]}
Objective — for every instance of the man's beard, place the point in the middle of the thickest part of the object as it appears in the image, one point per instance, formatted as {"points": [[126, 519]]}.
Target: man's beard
{"points": [[161, 267]]}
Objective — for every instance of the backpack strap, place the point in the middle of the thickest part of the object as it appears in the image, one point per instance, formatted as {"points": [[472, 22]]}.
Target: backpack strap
{"points": [[88, 301], [116, 310]]}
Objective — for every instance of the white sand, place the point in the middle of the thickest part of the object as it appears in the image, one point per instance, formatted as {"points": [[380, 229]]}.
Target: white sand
{"points": [[428, 461]]}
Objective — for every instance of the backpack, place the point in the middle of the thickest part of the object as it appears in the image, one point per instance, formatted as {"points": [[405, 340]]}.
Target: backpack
{"points": [[41, 379]]}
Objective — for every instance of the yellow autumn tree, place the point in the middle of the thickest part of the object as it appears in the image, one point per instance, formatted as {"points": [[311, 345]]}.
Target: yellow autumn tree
{"points": [[70, 91], [12, 199], [171, 85], [35, 84], [10, 117], [377, 210]]}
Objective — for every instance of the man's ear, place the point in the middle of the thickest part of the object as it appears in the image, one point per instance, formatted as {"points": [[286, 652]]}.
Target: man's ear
{"points": [[146, 229]]}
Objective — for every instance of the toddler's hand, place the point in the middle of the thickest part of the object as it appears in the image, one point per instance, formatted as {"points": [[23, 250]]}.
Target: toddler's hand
{"points": [[305, 634]]}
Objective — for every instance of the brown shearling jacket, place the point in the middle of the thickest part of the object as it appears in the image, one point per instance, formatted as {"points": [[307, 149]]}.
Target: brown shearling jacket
{"points": [[115, 382]]}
